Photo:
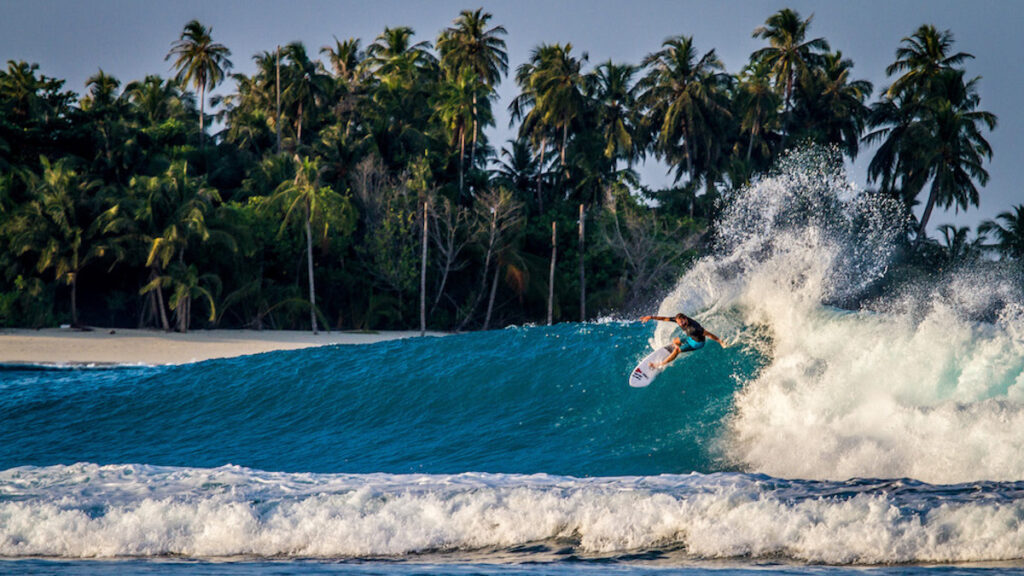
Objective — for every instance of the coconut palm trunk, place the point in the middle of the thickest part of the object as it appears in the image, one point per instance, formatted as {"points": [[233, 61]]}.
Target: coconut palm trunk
{"points": [[309, 268], [540, 176], [423, 277], [153, 275], [551, 274], [583, 276]]}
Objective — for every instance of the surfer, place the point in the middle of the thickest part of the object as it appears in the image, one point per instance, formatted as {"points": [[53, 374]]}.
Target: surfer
{"points": [[695, 337]]}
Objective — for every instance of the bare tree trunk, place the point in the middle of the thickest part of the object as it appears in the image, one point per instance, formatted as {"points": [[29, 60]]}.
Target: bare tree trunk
{"points": [[423, 277], [490, 300], [583, 277], [487, 268], [309, 260], [551, 274]]}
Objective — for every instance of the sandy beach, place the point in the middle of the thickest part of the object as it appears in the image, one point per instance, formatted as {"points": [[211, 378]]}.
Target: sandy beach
{"points": [[124, 346]]}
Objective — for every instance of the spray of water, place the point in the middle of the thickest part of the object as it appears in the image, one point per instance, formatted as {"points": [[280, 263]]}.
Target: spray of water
{"points": [[925, 382]]}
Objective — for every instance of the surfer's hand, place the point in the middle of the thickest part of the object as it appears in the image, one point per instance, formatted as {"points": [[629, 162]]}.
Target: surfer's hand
{"points": [[645, 318]]}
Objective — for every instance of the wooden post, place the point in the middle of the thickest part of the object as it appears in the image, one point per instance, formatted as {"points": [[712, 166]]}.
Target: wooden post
{"points": [[583, 277], [551, 277], [423, 276]]}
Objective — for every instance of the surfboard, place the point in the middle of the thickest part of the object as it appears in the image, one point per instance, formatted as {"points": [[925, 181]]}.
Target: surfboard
{"points": [[643, 374]]}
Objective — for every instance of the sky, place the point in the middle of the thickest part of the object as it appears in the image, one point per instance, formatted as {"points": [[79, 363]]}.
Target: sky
{"points": [[73, 39]]}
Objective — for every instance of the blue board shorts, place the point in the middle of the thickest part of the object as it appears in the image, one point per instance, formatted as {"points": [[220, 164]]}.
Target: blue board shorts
{"points": [[689, 345]]}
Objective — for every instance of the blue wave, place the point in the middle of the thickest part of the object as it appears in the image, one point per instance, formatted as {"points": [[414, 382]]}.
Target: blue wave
{"points": [[520, 400]]}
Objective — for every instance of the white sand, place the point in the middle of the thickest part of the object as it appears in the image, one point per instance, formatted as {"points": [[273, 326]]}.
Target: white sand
{"points": [[120, 346]]}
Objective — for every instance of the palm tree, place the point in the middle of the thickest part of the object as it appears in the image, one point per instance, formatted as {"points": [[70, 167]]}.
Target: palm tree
{"points": [[1009, 234], [199, 61], [455, 106], [157, 222], [51, 223], [788, 53], [304, 197], [345, 59], [683, 94], [523, 109], [611, 88], [930, 127], [757, 106], [953, 149], [304, 85], [552, 96], [955, 245], [401, 80], [470, 45], [831, 107], [922, 57], [393, 53], [156, 100], [518, 169]]}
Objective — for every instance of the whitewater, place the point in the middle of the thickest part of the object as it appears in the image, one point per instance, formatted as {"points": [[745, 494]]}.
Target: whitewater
{"points": [[850, 423]]}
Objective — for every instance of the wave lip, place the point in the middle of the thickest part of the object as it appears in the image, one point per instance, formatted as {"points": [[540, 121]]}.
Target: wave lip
{"points": [[91, 511]]}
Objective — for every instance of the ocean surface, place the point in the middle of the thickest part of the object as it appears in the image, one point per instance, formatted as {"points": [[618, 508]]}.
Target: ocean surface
{"points": [[847, 429]]}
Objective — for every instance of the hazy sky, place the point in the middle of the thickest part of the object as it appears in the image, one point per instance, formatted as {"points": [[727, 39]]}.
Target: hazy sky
{"points": [[72, 39]]}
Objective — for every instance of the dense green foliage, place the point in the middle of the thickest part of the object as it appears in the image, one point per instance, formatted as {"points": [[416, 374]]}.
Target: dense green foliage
{"points": [[311, 204]]}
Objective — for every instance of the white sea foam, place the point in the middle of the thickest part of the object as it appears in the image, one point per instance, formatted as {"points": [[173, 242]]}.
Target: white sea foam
{"points": [[927, 383], [116, 511]]}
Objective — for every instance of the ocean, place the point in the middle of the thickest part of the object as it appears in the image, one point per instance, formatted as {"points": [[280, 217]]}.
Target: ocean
{"points": [[847, 429]]}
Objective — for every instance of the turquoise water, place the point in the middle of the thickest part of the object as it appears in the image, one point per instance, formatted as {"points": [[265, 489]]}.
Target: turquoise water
{"points": [[520, 400], [880, 438]]}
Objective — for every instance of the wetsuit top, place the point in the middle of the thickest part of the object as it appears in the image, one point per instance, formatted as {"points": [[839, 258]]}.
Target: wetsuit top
{"points": [[694, 331]]}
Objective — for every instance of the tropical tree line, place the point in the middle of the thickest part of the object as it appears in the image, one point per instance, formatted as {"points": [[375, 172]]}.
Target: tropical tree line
{"points": [[356, 187]]}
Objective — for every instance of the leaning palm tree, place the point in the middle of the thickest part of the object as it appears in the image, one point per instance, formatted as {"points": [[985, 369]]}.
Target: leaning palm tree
{"points": [[789, 53], [199, 61], [469, 44], [952, 150]]}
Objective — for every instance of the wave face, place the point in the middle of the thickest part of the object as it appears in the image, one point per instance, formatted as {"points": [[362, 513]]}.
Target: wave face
{"points": [[842, 425], [521, 400]]}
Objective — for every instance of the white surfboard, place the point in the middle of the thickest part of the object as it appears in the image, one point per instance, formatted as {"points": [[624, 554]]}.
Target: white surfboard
{"points": [[643, 374]]}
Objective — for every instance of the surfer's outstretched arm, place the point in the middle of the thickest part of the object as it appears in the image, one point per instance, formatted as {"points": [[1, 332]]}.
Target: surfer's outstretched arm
{"points": [[716, 339], [661, 318]]}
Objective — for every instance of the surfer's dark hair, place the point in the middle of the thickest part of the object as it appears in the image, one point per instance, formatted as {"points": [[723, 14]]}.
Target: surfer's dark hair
{"points": [[681, 315]]}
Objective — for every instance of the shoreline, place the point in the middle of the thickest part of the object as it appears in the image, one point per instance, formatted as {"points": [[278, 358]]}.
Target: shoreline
{"points": [[123, 346]]}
